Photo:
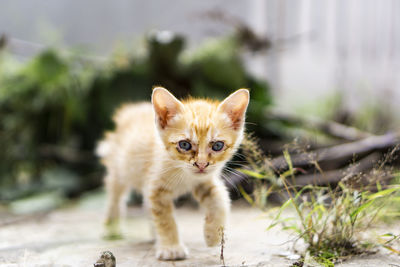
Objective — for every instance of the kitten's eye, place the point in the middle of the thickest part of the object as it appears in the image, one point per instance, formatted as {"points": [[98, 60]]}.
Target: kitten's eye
{"points": [[185, 145], [217, 146]]}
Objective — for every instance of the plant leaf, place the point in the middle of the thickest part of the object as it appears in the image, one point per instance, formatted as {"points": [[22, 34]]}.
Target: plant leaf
{"points": [[245, 195], [252, 173], [383, 193], [360, 209]]}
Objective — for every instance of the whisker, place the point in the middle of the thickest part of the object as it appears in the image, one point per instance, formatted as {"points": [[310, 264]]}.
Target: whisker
{"points": [[226, 178], [241, 177]]}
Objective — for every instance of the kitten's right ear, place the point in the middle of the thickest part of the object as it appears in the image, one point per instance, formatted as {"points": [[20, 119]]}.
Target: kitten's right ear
{"points": [[235, 107], [165, 105]]}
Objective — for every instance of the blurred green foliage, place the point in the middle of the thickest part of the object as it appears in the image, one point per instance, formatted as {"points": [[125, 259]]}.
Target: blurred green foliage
{"points": [[55, 107]]}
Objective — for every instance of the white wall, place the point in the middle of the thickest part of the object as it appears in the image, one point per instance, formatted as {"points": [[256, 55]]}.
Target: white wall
{"points": [[349, 46]]}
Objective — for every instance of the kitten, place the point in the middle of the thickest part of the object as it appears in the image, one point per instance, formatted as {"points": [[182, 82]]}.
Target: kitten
{"points": [[169, 148]]}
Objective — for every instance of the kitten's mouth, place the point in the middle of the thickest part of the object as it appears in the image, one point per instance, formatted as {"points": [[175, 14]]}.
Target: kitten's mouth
{"points": [[201, 171]]}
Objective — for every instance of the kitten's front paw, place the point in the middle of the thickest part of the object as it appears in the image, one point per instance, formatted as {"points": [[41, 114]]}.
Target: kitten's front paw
{"points": [[213, 236], [169, 253]]}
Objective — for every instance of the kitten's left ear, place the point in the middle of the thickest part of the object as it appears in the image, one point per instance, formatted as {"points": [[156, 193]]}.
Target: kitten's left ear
{"points": [[166, 106], [235, 107]]}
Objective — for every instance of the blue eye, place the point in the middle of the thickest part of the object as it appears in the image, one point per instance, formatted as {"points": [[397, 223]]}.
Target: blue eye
{"points": [[217, 146], [185, 145]]}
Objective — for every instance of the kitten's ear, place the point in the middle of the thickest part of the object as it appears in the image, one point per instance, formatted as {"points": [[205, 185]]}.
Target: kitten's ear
{"points": [[166, 106], [235, 107]]}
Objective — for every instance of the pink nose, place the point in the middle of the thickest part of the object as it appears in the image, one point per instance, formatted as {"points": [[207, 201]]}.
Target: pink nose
{"points": [[201, 165]]}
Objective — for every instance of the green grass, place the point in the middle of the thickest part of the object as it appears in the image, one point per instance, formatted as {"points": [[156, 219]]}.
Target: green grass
{"points": [[330, 221]]}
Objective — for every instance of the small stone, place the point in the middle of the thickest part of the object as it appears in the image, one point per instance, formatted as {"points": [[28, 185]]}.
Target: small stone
{"points": [[106, 259]]}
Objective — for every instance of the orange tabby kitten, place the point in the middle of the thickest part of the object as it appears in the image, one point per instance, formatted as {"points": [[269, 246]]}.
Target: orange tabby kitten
{"points": [[169, 148]]}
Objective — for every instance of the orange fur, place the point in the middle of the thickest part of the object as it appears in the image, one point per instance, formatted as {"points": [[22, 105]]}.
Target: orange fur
{"points": [[144, 153]]}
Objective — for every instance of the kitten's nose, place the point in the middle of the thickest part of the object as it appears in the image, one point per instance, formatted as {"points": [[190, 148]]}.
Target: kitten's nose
{"points": [[201, 165]]}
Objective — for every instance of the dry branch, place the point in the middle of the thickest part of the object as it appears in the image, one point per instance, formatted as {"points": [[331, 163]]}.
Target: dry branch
{"points": [[340, 152], [330, 128], [335, 176]]}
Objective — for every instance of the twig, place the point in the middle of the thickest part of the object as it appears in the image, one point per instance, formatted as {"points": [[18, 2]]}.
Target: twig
{"points": [[221, 257]]}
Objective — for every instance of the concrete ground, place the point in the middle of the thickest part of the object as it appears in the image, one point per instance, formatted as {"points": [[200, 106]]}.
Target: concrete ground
{"points": [[72, 237]]}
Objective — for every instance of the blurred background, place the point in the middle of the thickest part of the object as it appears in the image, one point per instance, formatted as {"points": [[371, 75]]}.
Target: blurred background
{"points": [[66, 65]]}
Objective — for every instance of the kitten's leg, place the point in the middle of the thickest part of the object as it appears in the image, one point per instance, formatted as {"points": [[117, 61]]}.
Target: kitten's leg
{"points": [[169, 246], [115, 191], [214, 197]]}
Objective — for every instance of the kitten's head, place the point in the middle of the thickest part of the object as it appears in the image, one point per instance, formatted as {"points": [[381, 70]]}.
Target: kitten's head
{"points": [[200, 135]]}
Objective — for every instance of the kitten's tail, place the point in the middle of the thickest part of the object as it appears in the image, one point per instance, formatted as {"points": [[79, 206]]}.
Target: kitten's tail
{"points": [[103, 149]]}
